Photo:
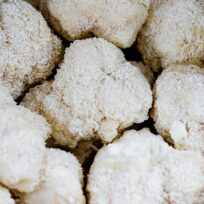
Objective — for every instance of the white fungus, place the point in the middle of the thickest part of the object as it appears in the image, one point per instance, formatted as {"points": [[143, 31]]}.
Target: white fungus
{"points": [[141, 168], [179, 106], [173, 33], [61, 181], [28, 49], [96, 93], [22, 146], [117, 21]]}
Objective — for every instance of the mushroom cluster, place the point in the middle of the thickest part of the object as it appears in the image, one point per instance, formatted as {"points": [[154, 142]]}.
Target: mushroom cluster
{"points": [[101, 101]]}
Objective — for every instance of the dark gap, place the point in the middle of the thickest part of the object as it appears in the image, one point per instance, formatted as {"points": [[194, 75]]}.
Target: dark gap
{"points": [[132, 53]]}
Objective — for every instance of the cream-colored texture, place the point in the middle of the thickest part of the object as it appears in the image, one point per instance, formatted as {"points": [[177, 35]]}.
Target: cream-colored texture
{"points": [[146, 71], [117, 21], [34, 3], [173, 33], [179, 106], [34, 98], [5, 196], [28, 49], [61, 181], [140, 168], [5, 97], [96, 92], [22, 146]]}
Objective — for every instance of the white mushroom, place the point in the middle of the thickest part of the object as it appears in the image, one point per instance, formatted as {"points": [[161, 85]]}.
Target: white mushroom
{"points": [[117, 21], [141, 168], [61, 181], [96, 92], [28, 49], [179, 106], [173, 33], [22, 146]]}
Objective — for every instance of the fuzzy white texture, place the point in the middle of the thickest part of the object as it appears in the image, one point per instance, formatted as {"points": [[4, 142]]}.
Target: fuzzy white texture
{"points": [[5, 196], [28, 49], [61, 181], [22, 147], [141, 168], [147, 71], [173, 33], [117, 21], [5, 97], [34, 98], [96, 92], [179, 106]]}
